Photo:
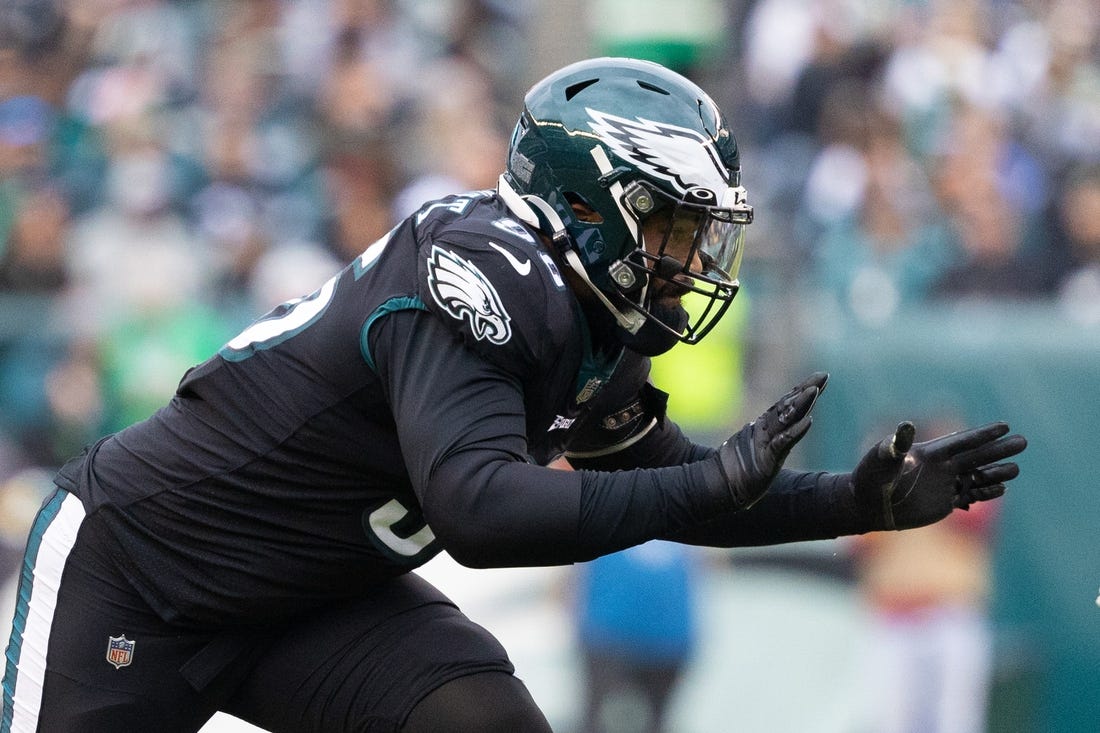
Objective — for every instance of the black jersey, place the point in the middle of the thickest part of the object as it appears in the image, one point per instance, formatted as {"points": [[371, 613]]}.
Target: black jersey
{"points": [[404, 408], [276, 476]]}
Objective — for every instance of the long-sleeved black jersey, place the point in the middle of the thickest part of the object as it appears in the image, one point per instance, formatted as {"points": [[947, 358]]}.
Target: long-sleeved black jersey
{"points": [[402, 408]]}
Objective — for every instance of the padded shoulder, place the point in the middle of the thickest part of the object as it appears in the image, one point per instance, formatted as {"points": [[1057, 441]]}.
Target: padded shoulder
{"points": [[490, 278]]}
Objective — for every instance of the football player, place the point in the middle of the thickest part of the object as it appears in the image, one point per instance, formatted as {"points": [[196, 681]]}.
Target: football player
{"points": [[249, 547]]}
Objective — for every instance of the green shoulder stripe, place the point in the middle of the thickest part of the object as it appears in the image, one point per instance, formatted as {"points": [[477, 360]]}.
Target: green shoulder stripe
{"points": [[406, 302]]}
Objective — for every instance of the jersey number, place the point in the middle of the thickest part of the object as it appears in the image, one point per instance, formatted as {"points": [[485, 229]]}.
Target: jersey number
{"points": [[400, 531], [294, 316], [284, 321]]}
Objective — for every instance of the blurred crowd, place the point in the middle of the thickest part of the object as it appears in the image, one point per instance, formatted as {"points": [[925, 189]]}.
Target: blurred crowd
{"points": [[933, 150], [170, 169]]}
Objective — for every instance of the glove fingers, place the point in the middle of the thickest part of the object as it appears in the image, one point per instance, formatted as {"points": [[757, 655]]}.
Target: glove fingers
{"points": [[963, 440], [800, 406], [786, 440], [983, 483], [794, 433], [796, 404], [817, 379], [791, 418], [791, 408], [751, 458], [996, 474], [963, 501], [989, 453], [811, 381]]}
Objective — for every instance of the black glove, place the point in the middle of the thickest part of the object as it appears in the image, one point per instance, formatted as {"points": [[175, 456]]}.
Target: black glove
{"points": [[751, 458], [901, 485]]}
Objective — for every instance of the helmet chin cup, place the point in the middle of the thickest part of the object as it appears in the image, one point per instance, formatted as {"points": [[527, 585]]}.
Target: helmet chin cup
{"points": [[668, 267]]}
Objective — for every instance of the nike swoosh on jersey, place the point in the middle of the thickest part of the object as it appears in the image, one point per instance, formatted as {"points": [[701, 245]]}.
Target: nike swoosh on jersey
{"points": [[523, 268]]}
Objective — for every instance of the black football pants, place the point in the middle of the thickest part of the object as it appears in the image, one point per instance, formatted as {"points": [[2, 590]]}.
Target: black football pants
{"points": [[87, 655]]}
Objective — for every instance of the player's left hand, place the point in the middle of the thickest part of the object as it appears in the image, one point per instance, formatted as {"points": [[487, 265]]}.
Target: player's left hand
{"points": [[899, 484]]}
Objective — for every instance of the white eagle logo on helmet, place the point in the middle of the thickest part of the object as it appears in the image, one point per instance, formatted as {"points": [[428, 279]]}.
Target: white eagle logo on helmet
{"points": [[683, 157], [464, 293]]}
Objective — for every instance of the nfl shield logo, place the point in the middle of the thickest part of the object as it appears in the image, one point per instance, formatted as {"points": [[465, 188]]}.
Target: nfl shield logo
{"points": [[120, 651]]}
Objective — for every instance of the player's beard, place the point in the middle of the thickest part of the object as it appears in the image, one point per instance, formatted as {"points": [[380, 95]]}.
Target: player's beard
{"points": [[651, 339]]}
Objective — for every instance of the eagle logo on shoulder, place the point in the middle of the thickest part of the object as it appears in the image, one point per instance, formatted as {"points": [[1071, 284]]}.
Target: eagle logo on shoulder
{"points": [[464, 293], [683, 157]]}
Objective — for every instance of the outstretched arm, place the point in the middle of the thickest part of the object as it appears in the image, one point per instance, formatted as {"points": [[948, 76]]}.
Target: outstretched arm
{"points": [[461, 424], [462, 429], [898, 484]]}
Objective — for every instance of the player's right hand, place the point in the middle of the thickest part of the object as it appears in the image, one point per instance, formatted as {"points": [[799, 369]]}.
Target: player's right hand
{"points": [[752, 457], [900, 484]]}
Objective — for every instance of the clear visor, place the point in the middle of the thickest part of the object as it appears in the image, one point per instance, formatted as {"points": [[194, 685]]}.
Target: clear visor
{"points": [[690, 246], [720, 245], [707, 240]]}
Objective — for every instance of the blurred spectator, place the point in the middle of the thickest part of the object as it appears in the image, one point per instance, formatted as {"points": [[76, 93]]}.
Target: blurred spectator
{"points": [[463, 141], [26, 124], [33, 257], [362, 91], [75, 401], [143, 353], [114, 249], [986, 186], [360, 179], [880, 240], [492, 35], [940, 58], [928, 649], [839, 56], [1056, 84], [25, 369], [42, 50], [778, 38], [636, 627], [1078, 226], [636, 610]]}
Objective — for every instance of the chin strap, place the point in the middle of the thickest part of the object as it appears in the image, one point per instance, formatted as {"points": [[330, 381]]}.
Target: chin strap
{"points": [[615, 188], [631, 321], [528, 209], [517, 205]]}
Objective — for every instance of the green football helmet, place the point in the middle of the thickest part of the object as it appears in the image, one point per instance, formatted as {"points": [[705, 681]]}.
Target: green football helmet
{"points": [[631, 140]]}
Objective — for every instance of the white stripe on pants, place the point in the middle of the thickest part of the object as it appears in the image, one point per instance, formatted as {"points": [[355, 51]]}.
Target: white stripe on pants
{"points": [[53, 551]]}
